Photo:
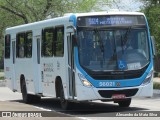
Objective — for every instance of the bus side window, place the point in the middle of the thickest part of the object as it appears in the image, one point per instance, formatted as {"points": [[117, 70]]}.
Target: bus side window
{"points": [[7, 46], [28, 48], [59, 41], [47, 42], [20, 43]]}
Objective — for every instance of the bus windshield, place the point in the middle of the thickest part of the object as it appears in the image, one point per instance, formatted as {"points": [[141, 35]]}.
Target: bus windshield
{"points": [[114, 48]]}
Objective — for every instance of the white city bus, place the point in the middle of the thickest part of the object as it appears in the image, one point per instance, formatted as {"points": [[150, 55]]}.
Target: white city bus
{"points": [[103, 56]]}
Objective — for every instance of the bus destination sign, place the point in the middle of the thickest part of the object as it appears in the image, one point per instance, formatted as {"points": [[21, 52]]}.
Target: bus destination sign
{"points": [[111, 20]]}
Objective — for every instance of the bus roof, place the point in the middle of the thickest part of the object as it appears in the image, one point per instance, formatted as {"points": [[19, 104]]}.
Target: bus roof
{"points": [[108, 13], [58, 20], [37, 25]]}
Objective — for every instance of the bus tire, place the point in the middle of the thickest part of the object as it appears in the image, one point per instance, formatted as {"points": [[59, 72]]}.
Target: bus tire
{"points": [[64, 103], [27, 98], [125, 103]]}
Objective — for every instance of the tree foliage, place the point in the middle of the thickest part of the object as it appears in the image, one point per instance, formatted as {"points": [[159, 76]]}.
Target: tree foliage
{"points": [[35, 10], [16, 12], [152, 12]]}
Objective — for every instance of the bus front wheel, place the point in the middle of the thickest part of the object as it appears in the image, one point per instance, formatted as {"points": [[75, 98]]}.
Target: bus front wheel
{"points": [[125, 103]]}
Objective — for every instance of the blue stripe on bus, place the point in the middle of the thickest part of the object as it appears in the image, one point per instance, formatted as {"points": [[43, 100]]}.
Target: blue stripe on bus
{"points": [[73, 19], [150, 46], [123, 83]]}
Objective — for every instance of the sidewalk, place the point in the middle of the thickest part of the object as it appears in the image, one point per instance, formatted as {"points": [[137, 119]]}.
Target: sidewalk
{"points": [[2, 82], [156, 92], [1, 74]]}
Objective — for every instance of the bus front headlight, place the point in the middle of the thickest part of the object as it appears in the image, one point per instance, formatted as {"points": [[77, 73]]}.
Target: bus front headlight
{"points": [[148, 78], [85, 82]]}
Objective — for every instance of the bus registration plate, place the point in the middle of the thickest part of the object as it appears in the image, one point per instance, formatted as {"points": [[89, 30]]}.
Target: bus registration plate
{"points": [[118, 96]]}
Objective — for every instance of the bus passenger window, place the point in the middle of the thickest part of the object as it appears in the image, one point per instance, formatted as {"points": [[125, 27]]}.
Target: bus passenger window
{"points": [[47, 42], [20, 45], [59, 43], [28, 45], [7, 46]]}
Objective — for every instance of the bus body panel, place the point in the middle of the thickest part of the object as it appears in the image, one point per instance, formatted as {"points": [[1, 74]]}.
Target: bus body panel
{"points": [[41, 77], [25, 67], [8, 75]]}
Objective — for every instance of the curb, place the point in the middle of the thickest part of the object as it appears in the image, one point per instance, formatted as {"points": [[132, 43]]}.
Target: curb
{"points": [[156, 92]]}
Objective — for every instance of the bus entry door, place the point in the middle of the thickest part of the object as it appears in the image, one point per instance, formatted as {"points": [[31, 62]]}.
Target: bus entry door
{"points": [[13, 66], [71, 70]]}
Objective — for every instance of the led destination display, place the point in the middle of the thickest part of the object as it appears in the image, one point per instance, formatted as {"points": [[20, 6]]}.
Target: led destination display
{"points": [[111, 20]]}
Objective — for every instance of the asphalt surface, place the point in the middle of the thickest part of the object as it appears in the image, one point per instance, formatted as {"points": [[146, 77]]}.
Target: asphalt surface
{"points": [[10, 101]]}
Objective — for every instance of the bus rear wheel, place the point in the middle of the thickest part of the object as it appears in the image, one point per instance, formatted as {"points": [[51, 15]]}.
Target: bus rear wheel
{"points": [[65, 104], [125, 103], [28, 98]]}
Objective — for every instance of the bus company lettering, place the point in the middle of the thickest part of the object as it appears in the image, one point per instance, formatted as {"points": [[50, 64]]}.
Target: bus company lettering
{"points": [[48, 67]]}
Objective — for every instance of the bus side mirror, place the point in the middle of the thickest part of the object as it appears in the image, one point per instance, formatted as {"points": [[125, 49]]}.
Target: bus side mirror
{"points": [[72, 29], [153, 45]]}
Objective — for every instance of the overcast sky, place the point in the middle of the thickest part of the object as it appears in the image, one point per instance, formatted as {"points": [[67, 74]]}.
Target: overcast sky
{"points": [[125, 5]]}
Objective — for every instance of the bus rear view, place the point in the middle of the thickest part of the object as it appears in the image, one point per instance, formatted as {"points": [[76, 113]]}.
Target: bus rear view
{"points": [[115, 56]]}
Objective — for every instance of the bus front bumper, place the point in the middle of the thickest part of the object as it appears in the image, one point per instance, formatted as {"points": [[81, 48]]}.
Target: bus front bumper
{"points": [[92, 93]]}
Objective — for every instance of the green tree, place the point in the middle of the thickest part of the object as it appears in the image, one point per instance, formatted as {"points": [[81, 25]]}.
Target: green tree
{"points": [[152, 12], [35, 10], [16, 12]]}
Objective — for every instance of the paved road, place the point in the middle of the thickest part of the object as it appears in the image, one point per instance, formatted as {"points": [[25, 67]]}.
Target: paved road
{"points": [[10, 101]]}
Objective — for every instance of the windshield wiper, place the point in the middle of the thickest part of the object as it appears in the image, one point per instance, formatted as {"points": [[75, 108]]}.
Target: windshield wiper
{"points": [[124, 40], [100, 40], [100, 45]]}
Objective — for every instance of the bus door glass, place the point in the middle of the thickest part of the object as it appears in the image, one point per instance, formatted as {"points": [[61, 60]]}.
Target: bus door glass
{"points": [[13, 51], [13, 65], [38, 50], [71, 71]]}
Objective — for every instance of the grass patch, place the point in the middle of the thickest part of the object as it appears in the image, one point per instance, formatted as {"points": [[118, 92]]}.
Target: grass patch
{"points": [[1, 70], [2, 78], [156, 85]]}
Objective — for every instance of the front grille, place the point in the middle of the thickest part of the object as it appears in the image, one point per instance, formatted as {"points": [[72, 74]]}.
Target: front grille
{"points": [[109, 93], [117, 77]]}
